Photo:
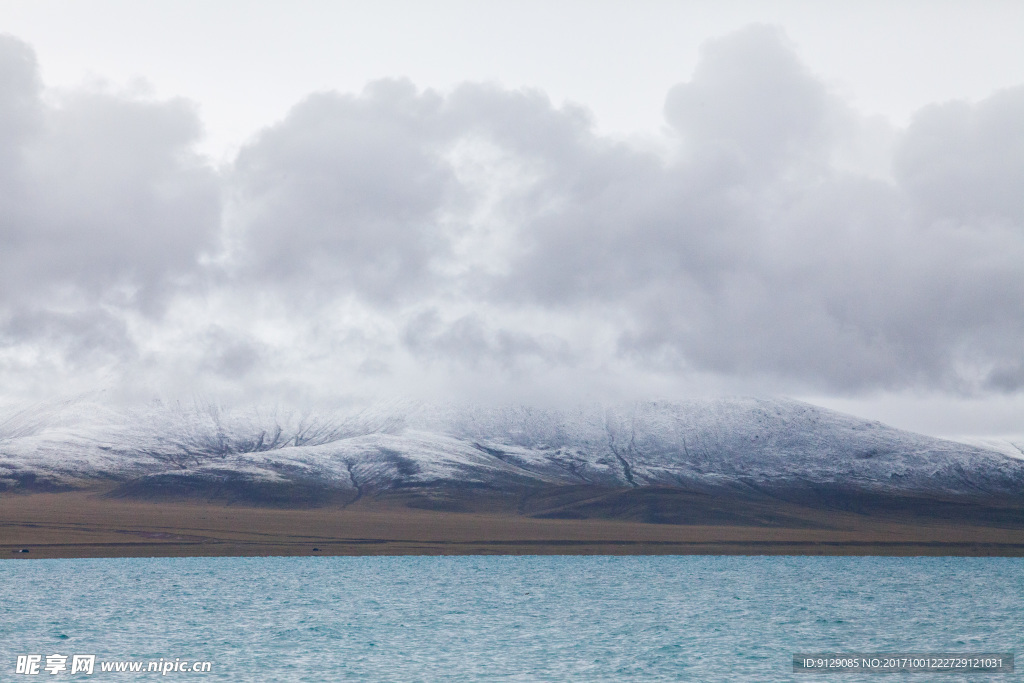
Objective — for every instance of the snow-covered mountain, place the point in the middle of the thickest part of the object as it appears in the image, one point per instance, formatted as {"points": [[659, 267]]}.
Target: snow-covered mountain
{"points": [[758, 446]]}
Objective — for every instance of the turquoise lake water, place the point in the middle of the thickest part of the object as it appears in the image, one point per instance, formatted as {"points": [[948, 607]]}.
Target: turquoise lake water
{"points": [[506, 618]]}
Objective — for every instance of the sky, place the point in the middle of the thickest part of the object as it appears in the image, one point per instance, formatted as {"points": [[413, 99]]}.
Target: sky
{"points": [[528, 202]]}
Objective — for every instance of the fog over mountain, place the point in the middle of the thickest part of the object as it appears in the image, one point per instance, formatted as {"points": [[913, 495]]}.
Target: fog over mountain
{"points": [[482, 242]]}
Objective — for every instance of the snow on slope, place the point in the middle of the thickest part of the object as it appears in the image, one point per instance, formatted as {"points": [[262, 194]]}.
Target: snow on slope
{"points": [[690, 443], [1012, 447]]}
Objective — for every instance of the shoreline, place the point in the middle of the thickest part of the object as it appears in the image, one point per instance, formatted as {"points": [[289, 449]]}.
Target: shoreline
{"points": [[84, 524]]}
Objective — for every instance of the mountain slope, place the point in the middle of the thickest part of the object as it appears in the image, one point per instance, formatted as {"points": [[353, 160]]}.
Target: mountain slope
{"points": [[590, 460]]}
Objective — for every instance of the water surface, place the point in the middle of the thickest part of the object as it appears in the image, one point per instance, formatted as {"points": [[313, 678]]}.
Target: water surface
{"points": [[507, 618]]}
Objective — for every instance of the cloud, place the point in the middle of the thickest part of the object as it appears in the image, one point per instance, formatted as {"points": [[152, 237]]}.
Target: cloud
{"points": [[469, 340], [105, 212], [965, 163], [229, 355], [103, 200], [344, 194], [751, 255], [751, 103], [20, 87], [83, 338], [400, 238]]}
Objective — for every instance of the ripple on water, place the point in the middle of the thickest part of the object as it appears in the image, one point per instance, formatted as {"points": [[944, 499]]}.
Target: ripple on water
{"points": [[511, 618]]}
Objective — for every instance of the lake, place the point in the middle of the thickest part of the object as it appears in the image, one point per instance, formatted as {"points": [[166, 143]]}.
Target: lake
{"points": [[502, 618]]}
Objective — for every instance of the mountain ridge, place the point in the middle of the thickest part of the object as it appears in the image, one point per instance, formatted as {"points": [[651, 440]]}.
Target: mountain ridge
{"points": [[459, 456]]}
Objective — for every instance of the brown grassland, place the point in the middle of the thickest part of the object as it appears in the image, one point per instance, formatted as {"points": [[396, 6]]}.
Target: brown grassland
{"points": [[88, 524]]}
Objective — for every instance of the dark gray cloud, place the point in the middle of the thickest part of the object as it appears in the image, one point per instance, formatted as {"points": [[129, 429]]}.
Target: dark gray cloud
{"points": [[397, 236]]}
